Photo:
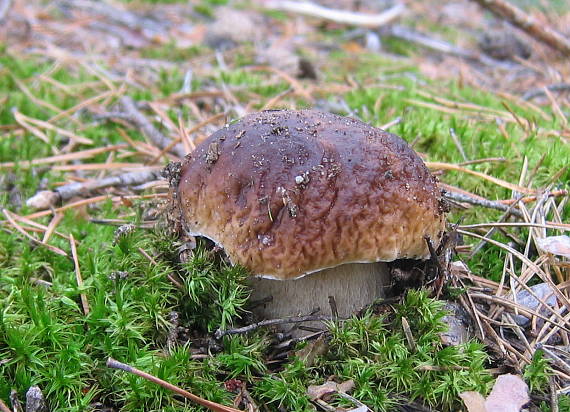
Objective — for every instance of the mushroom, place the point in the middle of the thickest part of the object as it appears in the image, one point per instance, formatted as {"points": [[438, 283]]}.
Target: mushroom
{"points": [[312, 204]]}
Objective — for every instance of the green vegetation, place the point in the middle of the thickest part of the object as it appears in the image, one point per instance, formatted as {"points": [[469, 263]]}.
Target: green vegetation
{"points": [[47, 339]]}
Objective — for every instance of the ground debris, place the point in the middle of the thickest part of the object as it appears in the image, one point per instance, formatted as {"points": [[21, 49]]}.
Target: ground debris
{"points": [[509, 394], [35, 401]]}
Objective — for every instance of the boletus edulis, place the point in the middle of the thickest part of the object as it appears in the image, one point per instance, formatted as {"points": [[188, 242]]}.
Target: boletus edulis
{"points": [[312, 204]]}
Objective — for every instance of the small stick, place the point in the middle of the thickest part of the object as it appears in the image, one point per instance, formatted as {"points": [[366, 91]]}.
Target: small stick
{"points": [[142, 123], [84, 301], [213, 406], [296, 319], [557, 87], [47, 198], [536, 29], [462, 197], [553, 394], [338, 16]]}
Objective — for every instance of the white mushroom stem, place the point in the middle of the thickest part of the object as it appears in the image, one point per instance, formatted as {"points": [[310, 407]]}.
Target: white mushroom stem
{"points": [[353, 286]]}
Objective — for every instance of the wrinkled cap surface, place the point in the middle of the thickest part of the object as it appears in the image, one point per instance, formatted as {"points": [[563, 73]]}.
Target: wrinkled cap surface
{"points": [[287, 193]]}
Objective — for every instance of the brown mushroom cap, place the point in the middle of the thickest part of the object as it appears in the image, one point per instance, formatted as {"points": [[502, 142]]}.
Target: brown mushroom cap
{"points": [[287, 193]]}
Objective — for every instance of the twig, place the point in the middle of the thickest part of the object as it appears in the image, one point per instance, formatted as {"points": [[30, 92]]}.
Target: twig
{"points": [[47, 198], [84, 301], [441, 46], [539, 30], [142, 123], [557, 87], [462, 197], [338, 16], [553, 395], [297, 319], [216, 407]]}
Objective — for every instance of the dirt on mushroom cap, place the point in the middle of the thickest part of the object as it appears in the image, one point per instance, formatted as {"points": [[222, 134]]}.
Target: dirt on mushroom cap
{"points": [[287, 193]]}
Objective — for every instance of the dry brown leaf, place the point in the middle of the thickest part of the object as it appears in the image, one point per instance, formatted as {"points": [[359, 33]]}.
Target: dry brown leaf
{"points": [[474, 401], [313, 349], [557, 245], [318, 391], [509, 394]]}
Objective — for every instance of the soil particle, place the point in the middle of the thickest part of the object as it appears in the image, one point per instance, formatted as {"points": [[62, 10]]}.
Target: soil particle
{"points": [[213, 153]]}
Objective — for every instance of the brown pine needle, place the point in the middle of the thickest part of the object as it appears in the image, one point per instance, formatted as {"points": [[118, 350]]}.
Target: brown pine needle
{"points": [[83, 154], [499, 182], [35, 241], [99, 166], [213, 406], [547, 225], [84, 301], [528, 199], [49, 126], [33, 130], [51, 227], [535, 268], [95, 199], [84, 103]]}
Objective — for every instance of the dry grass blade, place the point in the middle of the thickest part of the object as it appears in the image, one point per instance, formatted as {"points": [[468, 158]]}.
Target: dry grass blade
{"points": [[91, 200], [499, 182], [535, 270], [49, 126], [509, 304], [213, 406], [51, 227], [78, 277], [83, 154], [35, 241], [547, 225], [83, 104]]}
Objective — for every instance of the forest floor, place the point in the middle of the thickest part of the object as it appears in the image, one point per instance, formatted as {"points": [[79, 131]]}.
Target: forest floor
{"points": [[96, 97]]}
